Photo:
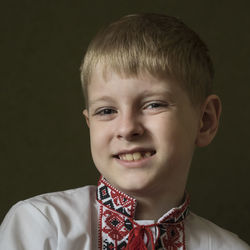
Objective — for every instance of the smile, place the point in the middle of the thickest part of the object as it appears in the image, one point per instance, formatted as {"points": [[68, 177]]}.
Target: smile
{"points": [[136, 156]]}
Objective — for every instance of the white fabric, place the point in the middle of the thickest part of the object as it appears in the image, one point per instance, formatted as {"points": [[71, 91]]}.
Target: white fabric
{"points": [[69, 221]]}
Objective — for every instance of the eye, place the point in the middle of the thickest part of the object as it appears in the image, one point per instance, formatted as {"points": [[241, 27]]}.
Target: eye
{"points": [[105, 111], [155, 105]]}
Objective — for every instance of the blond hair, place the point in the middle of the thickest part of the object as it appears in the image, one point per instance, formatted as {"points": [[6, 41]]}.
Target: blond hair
{"points": [[158, 44]]}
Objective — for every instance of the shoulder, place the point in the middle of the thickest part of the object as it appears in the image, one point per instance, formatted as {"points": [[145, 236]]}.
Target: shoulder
{"points": [[69, 199], [205, 233], [58, 203], [64, 205], [46, 218]]}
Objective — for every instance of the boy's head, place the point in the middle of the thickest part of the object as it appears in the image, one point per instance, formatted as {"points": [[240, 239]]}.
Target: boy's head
{"points": [[158, 44], [147, 82]]}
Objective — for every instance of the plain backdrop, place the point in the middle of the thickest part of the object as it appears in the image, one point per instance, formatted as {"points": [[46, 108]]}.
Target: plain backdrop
{"points": [[44, 142]]}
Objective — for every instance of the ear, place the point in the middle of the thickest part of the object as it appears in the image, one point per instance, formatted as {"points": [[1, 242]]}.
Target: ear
{"points": [[86, 115], [209, 120]]}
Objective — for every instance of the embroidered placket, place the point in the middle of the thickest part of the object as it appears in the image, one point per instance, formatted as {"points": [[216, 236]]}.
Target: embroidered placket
{"points": [[119, 231]]}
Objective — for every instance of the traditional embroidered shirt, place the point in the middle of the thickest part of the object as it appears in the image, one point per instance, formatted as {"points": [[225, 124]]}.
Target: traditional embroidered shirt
{"points": [[116, 222], [91, 218]]}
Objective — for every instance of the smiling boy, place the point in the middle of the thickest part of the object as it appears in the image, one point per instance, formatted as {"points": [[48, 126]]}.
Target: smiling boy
{"points": [[143, 131], [149, 103]]}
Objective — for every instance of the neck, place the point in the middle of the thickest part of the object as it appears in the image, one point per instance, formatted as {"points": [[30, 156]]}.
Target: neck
{"points": [[155, 202], [152, 208]]}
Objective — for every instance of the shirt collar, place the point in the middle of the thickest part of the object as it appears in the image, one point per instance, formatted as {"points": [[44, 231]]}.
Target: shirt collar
{"points": [[114, 199]]}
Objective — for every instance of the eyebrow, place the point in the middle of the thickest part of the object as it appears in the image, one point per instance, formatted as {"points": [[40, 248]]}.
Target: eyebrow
{"points": [[101, 99], [161, 92]]}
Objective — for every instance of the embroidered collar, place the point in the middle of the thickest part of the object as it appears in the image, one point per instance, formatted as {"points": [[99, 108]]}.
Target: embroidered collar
{"points": [[116, 222], [114, 199]]}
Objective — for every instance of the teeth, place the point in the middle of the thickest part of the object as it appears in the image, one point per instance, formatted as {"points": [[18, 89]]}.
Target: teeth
{"points": [[129, 157], [135, 156], [123, 157]]}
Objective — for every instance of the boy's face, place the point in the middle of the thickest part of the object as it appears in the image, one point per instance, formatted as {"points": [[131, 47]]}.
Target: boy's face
{"points": [[142, 131]]}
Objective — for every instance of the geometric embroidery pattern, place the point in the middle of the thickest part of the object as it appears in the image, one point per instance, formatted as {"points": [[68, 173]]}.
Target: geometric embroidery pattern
{"points": [[116, 228], [173, 238], [116, 221], [113, 198]]}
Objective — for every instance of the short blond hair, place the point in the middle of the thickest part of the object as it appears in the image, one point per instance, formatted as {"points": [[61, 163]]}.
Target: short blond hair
{"points": [[158, 44]]}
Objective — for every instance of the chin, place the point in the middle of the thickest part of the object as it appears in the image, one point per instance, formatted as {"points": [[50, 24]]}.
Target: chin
{"points": [[133, 186]]}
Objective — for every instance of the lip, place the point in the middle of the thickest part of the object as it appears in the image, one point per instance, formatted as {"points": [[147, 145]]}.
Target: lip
{"points": [[137, 163], [134, 150]]}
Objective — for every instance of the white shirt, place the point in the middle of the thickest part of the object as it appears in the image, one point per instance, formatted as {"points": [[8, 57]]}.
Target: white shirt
{"points": [[70, 220]]}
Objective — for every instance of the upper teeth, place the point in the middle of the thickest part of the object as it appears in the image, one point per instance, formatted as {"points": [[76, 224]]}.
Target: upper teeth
{"points": [[135, 156]]}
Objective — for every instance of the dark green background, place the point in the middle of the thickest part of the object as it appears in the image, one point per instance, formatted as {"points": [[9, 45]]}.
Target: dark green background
{"points": [[43, 138]]}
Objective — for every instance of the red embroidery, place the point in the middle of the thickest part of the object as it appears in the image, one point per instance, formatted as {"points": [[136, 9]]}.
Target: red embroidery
{"points": [[173, 239], [116, 223], [120, 200], [176, 214], [114, 199], [114, 226]]}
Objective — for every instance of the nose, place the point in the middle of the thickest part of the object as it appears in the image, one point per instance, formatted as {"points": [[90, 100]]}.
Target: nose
{"points": [[129, 126]]}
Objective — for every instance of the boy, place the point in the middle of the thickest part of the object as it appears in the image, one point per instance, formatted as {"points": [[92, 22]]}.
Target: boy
{"points": [[147, 83]]}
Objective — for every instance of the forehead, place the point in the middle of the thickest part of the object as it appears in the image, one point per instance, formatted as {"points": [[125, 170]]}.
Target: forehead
{"points": [[106, 77], [107, 84], [104, 73]]}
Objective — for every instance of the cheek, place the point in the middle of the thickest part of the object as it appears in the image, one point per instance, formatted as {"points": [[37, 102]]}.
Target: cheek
{"points": [[97, 147], [94, 139], [164, 128], [99, 138], [172, 134]]}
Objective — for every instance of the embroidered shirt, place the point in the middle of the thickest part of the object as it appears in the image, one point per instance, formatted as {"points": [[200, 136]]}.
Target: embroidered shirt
{"points": [[116, 222], [69, 220]]}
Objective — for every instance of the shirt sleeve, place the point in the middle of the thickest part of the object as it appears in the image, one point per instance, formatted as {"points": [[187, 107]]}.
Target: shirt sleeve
{"points": [[26, 227]]}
